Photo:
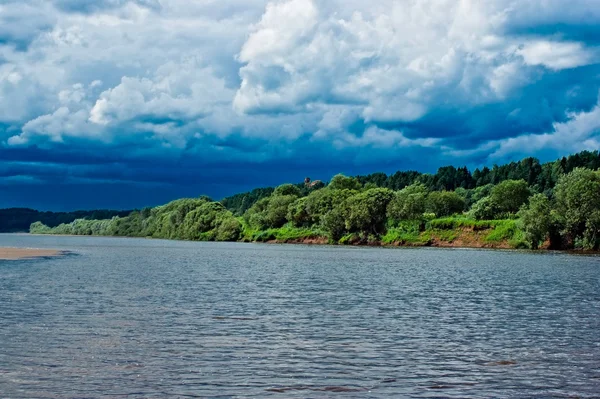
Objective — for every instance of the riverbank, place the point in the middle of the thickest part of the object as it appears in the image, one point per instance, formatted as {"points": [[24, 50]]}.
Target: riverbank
{"points": [[451, 232], [27, 253], [460, 240]]}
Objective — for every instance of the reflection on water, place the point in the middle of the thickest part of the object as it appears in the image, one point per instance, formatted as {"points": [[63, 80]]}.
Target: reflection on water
{"points": [[156, 319]]}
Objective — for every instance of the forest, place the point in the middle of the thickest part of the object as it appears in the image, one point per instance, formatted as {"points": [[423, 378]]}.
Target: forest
{"points": [[526, 204]]}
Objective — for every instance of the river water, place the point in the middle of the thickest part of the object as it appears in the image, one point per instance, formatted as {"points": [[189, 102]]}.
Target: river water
{"points": [[141, 318]]}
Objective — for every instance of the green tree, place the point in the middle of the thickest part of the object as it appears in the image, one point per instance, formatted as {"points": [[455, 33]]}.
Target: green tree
{"points": [[298, 215], [229, 229], [334, 223], [510, 195], [408, 203], [484, 209], [320, 202], [277, 209], [256, 216], [203, 219], [287, 189], [341, 182], [578, 203], [480, 192], [445, 203], [536, 220], [366, 212], [39, 228]]}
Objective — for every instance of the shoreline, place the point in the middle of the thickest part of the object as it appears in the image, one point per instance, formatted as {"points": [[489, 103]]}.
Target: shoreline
{"points": [[7, 253], [323, 241]]}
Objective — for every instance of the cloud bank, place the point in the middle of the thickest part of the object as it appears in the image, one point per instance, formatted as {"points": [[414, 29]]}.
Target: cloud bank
{"points": [[211, 96]]}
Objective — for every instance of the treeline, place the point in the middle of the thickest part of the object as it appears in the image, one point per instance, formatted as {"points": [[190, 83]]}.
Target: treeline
{"points": [[199, 219], [560, 212], [19, 219], [567, 216], [540, 177]]}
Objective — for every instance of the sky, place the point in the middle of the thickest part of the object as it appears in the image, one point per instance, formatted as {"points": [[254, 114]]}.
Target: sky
{"points": [[130, 103]]}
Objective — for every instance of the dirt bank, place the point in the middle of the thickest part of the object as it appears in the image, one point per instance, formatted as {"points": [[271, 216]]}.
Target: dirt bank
{"points": [[461, 239]]}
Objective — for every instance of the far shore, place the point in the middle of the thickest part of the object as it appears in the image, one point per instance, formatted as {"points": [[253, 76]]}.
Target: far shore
{"points": [[27, 253]]}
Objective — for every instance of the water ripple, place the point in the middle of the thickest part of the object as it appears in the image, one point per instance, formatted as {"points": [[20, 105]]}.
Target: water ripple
{"points": [[152, 319]]}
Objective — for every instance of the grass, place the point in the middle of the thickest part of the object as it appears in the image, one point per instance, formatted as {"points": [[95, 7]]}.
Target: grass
{"points": [[400, 236], [349, 239], [519, 241], [450, 228], [444, 235], [412, 233], [283, 234], [505, 230], [458, 222]]}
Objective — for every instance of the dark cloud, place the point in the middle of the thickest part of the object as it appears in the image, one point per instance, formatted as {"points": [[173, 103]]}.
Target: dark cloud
{"points": [[105, 104]]}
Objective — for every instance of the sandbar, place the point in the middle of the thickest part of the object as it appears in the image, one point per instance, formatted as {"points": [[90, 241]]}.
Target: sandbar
{"points": [[26, 253]]}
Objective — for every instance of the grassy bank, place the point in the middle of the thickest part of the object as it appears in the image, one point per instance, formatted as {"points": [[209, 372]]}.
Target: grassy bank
{"points": [[443, 232]]}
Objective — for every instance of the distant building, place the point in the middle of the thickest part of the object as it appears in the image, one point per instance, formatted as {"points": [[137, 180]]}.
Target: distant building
{"points": [[310, 184]]}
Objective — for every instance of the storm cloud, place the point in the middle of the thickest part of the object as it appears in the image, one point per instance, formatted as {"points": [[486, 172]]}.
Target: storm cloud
{"points": [[180, 97]]}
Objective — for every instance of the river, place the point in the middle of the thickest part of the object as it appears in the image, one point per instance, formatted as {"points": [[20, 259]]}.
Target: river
{"points": [[143, 318]]}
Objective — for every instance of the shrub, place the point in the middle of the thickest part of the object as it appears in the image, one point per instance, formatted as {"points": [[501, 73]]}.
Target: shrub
{"points": [[445, 203]]}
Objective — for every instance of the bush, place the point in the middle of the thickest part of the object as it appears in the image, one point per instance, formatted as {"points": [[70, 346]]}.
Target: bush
{"points": [[504, 230], [578, 204], [451, 223], [484, 209], [287, 189], [536, 220], [335, 224], [230, 229], [366, 212], [445, 203], [39, 228], [408, 203], [341, 182], [319, 203], [510, 195], [298, 214]]}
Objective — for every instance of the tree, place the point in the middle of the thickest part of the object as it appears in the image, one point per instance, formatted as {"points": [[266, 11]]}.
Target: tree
{"points": [[408, 203], [240, 203], [229, 229], [287, 189], [445, 203], [578, 202], [481, 192], [202, 220], [256, 216], [334, 223], [320, 202], [510, 195], [366, 212], [341, 182], [484, 209], [536, 219], [297, 213], [277, 209]]}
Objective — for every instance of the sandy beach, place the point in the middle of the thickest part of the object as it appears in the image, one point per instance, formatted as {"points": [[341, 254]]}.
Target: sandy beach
{"points": [[26, 253]]}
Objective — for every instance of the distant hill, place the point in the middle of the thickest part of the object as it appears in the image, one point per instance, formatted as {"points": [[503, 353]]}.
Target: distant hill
{"points": [[13, 220]]}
